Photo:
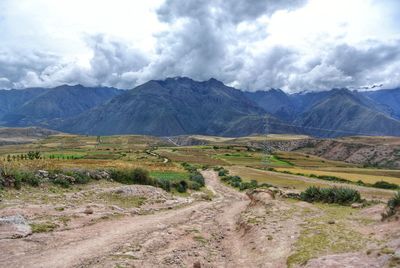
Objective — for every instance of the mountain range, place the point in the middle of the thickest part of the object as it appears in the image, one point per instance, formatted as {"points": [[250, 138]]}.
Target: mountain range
{"points": [[178, 106]]}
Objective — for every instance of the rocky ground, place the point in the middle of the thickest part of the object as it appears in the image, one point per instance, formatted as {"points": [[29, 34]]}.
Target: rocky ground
{"points": [[234, 229]]}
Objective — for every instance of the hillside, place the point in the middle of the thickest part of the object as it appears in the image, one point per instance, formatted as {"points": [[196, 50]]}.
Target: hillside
{"points": [[60, 102], [23, 135], [174, 106], [182, 106], [347, 114], [389, 98]]}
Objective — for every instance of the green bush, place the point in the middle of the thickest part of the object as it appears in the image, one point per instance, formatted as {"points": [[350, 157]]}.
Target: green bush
{"points": [[163, 184], [135, 176], [223, 172], [182, 186], [343, 196], [62, 182], [197, 178], [394, 202], [385, 185], [392, 206]]}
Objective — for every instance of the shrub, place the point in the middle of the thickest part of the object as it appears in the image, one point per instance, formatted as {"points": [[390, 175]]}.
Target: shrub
{"points": [[341, 196], [80, 177], [392, 205], [385, 185], [135, 176], [163, 184], [182, 186], [197, 178], [141, 176], [63, 182], [223, 172], [33, 155]]}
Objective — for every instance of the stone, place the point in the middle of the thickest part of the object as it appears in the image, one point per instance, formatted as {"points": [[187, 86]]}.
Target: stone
{"points": [[88, 211], [356, 205], [197, 264], [14, 227]]}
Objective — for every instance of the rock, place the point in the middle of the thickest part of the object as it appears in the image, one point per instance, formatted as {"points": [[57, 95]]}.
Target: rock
{"points": [[99, 175], [331, 222], [70, 179], [356, 205], [260, 196], [88, 211], [42, 175], [114, 207], [14, 227], [197, 264]]}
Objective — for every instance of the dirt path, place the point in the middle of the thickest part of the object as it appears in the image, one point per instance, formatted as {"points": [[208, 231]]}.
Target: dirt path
{"points": [[207, 227]]}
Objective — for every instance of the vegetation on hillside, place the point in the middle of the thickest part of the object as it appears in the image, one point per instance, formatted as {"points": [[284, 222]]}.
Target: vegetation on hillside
{"points": [[342, 196]]}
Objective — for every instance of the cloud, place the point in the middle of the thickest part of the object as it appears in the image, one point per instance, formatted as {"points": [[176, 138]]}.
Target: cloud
{"points": [[250, 44]]}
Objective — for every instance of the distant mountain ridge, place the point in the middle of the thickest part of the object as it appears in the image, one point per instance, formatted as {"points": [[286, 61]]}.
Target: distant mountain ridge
{"points": [[43, 105], [179, 106], [174, 106]]}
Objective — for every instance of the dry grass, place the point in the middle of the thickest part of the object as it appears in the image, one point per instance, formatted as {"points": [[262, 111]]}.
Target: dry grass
{"points": [[367, 178], [301, 183]]}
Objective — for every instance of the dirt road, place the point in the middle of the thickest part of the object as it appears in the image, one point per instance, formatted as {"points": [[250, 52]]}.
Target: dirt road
{"points": [[203, 232]]}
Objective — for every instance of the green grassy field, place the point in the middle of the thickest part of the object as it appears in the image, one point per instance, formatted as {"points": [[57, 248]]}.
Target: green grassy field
{"points": [[163, 160]]}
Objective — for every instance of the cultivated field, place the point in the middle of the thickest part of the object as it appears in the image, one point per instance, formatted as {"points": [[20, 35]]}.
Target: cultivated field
{"points": [[139, 201]]}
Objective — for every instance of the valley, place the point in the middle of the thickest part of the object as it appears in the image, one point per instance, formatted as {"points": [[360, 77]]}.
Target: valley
{"points": [[76, 205]]}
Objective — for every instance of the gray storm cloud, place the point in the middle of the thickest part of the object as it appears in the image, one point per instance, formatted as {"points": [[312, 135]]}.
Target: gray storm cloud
{"points": [[206, 39]]}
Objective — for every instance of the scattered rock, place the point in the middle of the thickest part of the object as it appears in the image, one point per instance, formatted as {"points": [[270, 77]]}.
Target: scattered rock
{"points": [[114, 207], [99, 175], [14, 227], [88, 211], [197, 264], [260, 196], [356, 205]]}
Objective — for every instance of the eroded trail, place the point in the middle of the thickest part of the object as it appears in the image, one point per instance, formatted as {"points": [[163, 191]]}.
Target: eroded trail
{"points": [[229, 231], [202, 232]]}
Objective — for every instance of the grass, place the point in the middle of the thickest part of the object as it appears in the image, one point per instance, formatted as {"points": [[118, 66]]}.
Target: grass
{"points": [[298, 182], [44, 227], [348, 176], [319, 238], [169, 175], [275, 160], [122, 200]]}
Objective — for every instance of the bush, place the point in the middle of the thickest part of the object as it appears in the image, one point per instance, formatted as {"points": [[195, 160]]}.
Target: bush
{"points": [[223, 172], [197, 178], [182, 186], [385, 185], [141, 176], [394, 202], [343, 196], [135, 176], [63, 182], [392, 206], [26, 177], [163, 184]]}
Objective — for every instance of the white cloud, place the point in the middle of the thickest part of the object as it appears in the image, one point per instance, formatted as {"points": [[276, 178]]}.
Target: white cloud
{"points": [[251, 44]]}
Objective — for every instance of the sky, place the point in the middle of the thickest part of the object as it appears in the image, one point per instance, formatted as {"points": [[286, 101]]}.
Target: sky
{"points": [[295, 45]]}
